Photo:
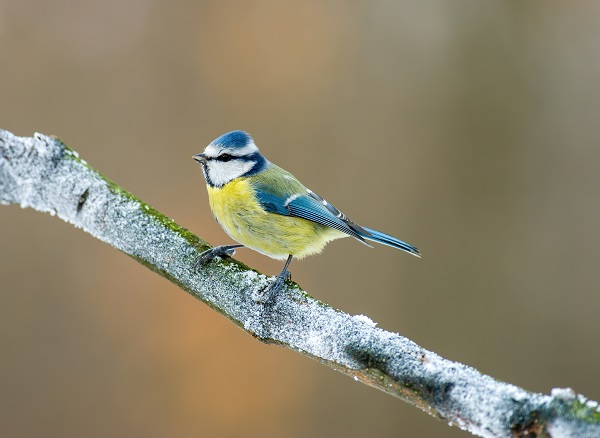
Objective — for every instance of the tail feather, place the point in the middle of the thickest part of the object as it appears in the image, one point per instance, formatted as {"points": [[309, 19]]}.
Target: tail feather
{"points": [[386, 239]]}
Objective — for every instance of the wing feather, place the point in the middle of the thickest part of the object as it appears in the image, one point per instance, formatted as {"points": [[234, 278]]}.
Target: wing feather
{"points": [[280, 193], [305, 206]]}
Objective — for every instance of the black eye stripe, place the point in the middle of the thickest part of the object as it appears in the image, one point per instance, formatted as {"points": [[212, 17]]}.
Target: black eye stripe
{"points": [[223, 157], [228, 157]]}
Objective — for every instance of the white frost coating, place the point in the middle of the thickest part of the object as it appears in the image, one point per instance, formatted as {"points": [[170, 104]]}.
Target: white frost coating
{"points": [[40, 146], [565, 429], [260, 280], [251, 275], [563, 393], [33, 172], [314, 340], [365, 319]]}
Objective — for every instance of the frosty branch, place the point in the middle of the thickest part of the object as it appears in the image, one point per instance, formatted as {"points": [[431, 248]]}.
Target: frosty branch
{"points": [[42, 173]]}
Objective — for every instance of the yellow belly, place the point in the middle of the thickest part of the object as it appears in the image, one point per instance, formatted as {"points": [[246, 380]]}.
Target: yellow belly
{"points": [[241, 216]]}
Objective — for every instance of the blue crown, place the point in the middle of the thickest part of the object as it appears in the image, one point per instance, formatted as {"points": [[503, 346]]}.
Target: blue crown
{"points": [[233, 139]]}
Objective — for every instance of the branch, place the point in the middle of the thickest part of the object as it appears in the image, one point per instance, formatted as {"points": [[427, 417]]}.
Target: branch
{"points": [[41, 172]]}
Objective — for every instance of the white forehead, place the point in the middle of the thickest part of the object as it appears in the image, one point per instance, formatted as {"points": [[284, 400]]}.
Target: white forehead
{"points": [[213, 150]]}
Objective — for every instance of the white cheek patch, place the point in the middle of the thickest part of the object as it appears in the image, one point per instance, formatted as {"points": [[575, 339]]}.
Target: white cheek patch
{"points": [[220, 173]]}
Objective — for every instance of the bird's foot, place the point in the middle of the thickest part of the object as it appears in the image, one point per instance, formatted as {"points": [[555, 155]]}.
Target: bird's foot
{"points": [[217, 251], [273, 289]]}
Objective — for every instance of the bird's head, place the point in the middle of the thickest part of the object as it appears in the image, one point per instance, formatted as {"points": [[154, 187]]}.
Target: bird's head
{"points": [[230, 156]]}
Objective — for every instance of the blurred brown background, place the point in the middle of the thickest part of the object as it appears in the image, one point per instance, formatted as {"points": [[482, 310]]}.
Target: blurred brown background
{"points": [[469, 129]]}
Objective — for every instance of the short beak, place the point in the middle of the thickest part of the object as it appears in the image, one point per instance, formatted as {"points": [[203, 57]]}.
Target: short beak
{"points": [[200, 158]]}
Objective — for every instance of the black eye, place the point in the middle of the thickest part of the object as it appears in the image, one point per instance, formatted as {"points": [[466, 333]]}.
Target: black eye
{"points": [[224, 157]]}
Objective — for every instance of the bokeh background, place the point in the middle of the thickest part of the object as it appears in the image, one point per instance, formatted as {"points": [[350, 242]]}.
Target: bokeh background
{"points": [[467, 128]]}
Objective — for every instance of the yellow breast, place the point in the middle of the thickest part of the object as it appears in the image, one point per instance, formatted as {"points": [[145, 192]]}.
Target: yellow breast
{"points": [[237, 210]]}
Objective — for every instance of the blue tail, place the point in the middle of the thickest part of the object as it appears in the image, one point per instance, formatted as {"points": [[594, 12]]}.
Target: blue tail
{"points": [[386, 239]]}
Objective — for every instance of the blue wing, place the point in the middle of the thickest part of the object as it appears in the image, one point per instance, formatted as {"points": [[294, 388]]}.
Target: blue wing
{"points": [[386, 239], [310, 208]]}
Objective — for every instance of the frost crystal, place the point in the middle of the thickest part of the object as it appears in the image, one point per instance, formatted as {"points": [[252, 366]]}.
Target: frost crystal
{"points": [[365, 319], [563, 393]]}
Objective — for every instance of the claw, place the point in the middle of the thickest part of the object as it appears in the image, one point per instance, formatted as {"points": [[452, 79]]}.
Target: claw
{"points": [[217, 251], [273, 289], [277, 285]]}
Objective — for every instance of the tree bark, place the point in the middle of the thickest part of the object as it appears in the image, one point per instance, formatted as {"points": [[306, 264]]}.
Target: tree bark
{"points": [[42, 173]]}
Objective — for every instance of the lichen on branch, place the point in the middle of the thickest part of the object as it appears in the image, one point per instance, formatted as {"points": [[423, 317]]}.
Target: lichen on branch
{"points": [[42, 173]]}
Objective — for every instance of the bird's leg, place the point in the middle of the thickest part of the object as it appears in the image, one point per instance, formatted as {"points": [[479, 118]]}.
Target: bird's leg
{"points": [[276, 286], [217, 251]]}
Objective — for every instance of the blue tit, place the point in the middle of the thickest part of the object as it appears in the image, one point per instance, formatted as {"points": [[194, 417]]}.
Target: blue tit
{"points": [[265, 208]]}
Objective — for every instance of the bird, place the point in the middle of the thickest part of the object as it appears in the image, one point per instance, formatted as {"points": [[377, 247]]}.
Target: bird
{"points": [[263, 207]]}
